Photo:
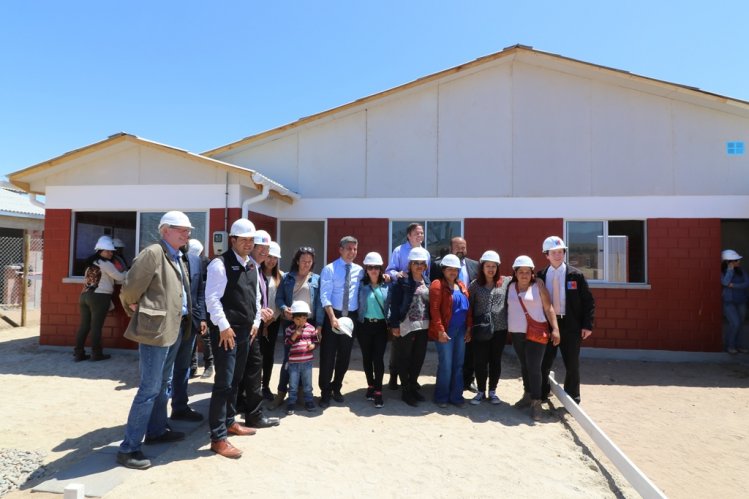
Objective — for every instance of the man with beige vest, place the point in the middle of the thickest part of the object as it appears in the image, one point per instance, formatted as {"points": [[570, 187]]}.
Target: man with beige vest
{"points": [[156, 295]]}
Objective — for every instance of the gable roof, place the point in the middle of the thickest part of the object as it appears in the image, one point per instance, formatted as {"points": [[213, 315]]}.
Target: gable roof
{"points": [[23, 178], [14, 203], [521, 52]]}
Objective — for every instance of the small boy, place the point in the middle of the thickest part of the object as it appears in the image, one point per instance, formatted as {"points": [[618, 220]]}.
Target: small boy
{"points": [[302, 339]]}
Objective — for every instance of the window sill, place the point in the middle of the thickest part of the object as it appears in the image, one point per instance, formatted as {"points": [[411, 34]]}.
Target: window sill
{"points": [[73, 280], [618, 285]]}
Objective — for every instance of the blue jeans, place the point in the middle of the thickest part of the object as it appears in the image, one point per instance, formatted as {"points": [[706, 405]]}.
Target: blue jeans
{"points": [[735, 315], [148, 412], [450, 356], [181, 374], [297, 371]]}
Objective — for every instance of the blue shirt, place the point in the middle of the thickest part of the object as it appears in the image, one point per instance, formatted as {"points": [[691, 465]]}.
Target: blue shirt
{"points": [[460, 309], [332, 279], [399, 261], [176, 256]]}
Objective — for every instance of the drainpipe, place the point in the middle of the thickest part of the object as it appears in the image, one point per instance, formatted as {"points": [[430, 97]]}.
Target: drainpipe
{"points": [[36, 202], [264, 193]]}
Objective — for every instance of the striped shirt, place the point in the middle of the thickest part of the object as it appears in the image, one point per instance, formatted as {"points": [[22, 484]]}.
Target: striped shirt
{"points": [[300, 351]]}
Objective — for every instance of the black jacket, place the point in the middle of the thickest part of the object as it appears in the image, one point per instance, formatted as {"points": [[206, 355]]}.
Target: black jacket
{"points": [[401, 296], [472, 266], [579, 304]]}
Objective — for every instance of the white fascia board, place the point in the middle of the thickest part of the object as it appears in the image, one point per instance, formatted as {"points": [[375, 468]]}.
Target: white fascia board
{"points": [[622, 208], [141, 197]]}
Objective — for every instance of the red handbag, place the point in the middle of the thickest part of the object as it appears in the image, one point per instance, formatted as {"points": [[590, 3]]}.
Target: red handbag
{"points": [[537, 332]]}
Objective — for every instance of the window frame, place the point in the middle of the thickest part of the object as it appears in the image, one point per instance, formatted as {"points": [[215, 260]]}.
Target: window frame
{"points": [[426, 222], [605, 283]]}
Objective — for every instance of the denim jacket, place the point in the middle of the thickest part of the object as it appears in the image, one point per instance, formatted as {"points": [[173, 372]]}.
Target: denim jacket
{"points": [[400, 298], [285, 295], [365, 290], [738, 292]]}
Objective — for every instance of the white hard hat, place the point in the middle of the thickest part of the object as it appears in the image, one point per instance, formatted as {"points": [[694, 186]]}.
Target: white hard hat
{"points": [[418, 254], [242, 228], [104, 243], [118, 243], [523, 261], [194, 247], [299, 307], [275, 249], [450, 260], [373, 258], [490, 256], [175, 218], [262, 238], [729, 255], [345, 326], [553, 242]]}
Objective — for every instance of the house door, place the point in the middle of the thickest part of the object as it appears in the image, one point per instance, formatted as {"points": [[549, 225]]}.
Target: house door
{"points": [[734, 234], [295, 234]]}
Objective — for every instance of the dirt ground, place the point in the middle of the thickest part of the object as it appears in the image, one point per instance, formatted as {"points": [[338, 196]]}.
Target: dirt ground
{"points": [[683, 424]]}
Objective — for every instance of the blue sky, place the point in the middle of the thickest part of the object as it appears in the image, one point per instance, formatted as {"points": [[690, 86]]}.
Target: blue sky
{"points": [[197, 75]]}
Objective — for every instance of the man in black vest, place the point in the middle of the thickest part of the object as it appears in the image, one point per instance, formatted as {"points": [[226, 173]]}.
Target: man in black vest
{"points": [[575, 308], [231, 295]]}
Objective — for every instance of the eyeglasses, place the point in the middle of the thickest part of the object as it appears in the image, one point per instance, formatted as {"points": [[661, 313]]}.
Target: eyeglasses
{"points": [[307, 249], [185, 230], [419, 263], [373, 267]]}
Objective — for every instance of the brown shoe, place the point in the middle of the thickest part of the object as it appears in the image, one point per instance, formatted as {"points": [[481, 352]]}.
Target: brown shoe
{"points": [[224, 448], [536, 410], [240, 430]]}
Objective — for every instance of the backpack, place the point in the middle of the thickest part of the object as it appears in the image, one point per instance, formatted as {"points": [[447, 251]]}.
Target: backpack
{"points": [[91, 277]]}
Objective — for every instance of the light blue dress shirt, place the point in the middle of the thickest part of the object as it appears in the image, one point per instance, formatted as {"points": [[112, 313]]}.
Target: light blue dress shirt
{"points": [[332, 280]]}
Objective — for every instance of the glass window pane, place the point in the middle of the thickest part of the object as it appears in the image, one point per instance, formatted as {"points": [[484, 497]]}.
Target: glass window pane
{"points": [[626, 256], [398, 231], [89, 226], [438, 236], [149, 227], [585, 248]]}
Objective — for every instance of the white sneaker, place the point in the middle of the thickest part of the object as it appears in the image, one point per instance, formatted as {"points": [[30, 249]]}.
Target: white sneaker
{"points": [[493, 398], [476, 400]]}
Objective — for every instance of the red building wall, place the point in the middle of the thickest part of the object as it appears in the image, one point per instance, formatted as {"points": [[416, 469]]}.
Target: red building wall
{"points": [[680, 311]]}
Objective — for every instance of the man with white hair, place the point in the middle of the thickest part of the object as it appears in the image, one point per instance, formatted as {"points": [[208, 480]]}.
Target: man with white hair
{"points": [[156, 295]]}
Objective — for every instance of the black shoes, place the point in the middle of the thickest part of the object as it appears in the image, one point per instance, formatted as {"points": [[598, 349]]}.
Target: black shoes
{"points": [[338, 396], [267, 394], [262, 422], [417, 396], [186, 415], [208, 373], [80, 354], [408, 397], [393, 383], [324, 402], [135, 460], [167, 437], [309, 406]]}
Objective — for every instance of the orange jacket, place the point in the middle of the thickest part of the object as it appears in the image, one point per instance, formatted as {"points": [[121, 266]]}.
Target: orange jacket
{"points": [[441, 307]]}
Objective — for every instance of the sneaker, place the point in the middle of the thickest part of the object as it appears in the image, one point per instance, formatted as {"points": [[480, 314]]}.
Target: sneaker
{"points": [[168, 436], [743, 350], [309, 406], [135, 460], [476, 400], [732, 351], [188, 414], [370, 393], [442, 405], [493, 398], [290, 409], [378, 400], [208, 373]]}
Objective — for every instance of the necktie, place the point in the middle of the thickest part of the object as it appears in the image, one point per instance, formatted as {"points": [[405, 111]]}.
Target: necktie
{"points": [[263, 289], [346, 287], [556, 300]]}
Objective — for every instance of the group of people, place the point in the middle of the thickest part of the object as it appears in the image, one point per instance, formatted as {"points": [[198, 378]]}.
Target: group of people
{"points": [[241, 302]]}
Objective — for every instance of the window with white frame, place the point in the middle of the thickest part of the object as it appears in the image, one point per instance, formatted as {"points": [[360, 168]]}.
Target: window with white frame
{"points": [[608, 250], [135, 230], [437, 234]]}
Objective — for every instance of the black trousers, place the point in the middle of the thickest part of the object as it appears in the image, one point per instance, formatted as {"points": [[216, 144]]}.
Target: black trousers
{"points": [[489, 354], [268, 350], [335, 355], [410, 351], [230, 365], [569, 346], [468, 365], [530, 355], [373, 339], [250, 394]]}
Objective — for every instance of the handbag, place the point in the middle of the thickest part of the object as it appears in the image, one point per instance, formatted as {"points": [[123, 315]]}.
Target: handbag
{"points": [[483, 330], [536, 331]]}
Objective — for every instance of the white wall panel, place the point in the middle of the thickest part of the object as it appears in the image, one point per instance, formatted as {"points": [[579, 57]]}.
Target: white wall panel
{"points": [[551, 133], [632, 145], [402, 145], [276, 159], [475, 135], [141, 197], [332, 155]]}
